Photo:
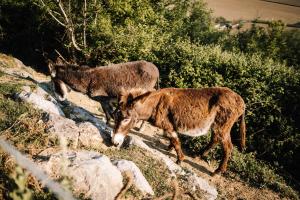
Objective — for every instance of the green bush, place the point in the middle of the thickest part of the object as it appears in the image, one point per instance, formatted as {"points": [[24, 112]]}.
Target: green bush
{"points": [[273, 41], [259, 173]]}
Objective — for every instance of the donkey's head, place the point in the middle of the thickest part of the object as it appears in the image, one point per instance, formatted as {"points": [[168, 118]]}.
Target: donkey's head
{"points": [[127, 114], [59, 87]]}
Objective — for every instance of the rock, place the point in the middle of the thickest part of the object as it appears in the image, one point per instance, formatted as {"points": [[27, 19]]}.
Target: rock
{"points": [[79, 114], [91, 173], [26, 88], [138, 179], [62, 127], [89, 135], [18, 63], [84, 133], [39, 102], [195, 182], [16, 72], [41, 92], [171, 165], [46, 153]]}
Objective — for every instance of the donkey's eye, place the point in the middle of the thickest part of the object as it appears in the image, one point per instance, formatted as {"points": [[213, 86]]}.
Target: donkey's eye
{"points": [[126, 120]]}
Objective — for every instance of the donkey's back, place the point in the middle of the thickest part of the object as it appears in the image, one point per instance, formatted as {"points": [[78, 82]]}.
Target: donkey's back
{"points": [[104, 83], [191, 106], [112, 79]]}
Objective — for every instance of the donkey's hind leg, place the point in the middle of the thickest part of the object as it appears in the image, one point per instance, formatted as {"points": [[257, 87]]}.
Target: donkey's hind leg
{"points": [[227, 149], [213, 142], [223, 132]]}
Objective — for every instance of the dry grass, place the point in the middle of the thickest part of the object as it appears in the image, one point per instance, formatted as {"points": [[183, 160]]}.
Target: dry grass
{"points": [[6, 61], [22, 126]]}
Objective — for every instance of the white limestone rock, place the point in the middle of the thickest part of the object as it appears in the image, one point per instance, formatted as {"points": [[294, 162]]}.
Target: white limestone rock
{"points": [[138, 178], [92, 174], [39, 102], [195, 182], [84, 133]]}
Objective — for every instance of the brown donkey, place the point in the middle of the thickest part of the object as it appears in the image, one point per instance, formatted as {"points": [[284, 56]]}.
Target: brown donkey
{"points": [[187, 111], [103, 84]]}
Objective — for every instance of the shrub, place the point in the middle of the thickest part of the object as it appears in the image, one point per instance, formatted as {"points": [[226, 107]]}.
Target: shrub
{"points": [[259, 173], [273, 41]]}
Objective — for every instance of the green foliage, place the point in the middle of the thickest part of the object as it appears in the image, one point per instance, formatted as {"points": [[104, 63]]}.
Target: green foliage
{"points": [[259, 173], [8, 89], [15, 183], [9, 111], [26, 33], [19, 122], [272, 41]]}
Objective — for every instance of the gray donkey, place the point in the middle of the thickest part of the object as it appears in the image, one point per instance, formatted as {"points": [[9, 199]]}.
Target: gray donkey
{"points": [[103, 83]]}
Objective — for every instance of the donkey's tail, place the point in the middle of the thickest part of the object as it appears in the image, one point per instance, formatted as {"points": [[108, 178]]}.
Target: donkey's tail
{"points": [[243, 132], [157, 87]]}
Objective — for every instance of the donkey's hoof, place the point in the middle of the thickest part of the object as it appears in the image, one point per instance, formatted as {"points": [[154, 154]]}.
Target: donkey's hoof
{"points": [[218, 172], [170, 147], [178, 162]]}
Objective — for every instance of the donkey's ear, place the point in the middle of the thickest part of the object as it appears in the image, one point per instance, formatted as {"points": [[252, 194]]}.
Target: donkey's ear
{"points": [[51, 68]]}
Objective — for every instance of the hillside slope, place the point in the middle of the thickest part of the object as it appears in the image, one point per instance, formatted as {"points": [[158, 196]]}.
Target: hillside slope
{"points": [[148, 149]]}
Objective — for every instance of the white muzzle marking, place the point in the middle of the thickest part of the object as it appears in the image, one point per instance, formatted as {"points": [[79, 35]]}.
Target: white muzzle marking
{"points": [[118, 139]]}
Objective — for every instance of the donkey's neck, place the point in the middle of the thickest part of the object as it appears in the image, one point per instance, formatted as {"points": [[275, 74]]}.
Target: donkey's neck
{"points": [[76, 79], [146, 105]]}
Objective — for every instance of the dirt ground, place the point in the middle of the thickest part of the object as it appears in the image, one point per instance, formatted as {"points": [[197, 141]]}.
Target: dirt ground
{"points": [[256, 9]]}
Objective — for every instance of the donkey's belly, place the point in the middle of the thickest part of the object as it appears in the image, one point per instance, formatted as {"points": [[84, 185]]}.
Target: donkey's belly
{"points": [[202, 128], [196, 132]]}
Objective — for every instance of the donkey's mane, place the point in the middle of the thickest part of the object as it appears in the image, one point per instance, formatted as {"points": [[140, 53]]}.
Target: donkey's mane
{"points": [[137, 94]]}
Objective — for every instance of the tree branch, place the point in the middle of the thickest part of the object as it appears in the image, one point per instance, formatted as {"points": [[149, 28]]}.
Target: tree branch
{"points": [[70, 26], [84, 25], [50, 12]]}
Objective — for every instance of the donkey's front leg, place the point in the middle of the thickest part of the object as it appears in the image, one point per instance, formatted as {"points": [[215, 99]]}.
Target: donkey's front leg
{"points": [[107, 111], [176, 143]]}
